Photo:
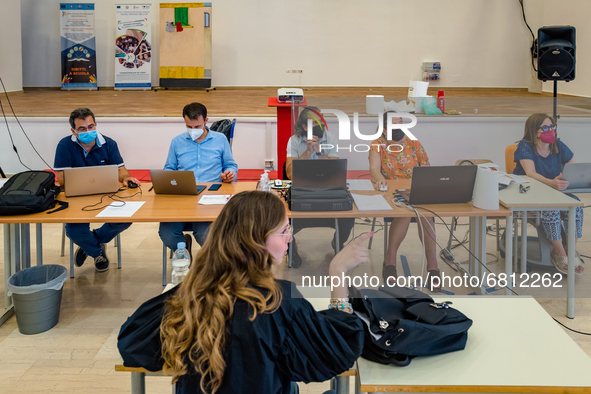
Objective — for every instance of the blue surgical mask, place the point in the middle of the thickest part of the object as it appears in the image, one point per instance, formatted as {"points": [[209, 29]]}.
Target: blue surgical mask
{"points": [[87, 137], [195, 133]]}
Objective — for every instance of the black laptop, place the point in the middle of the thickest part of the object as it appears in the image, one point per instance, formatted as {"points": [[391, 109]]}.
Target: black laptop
{"points": [[321, 173], [320, 185], [440, 185]]}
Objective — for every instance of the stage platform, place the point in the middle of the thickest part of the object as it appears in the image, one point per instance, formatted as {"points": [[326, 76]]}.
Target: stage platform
{"points": [[232, 102], [144, 122]]}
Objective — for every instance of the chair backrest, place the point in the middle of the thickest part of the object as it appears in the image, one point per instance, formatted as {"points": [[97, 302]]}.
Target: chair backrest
{"points": [[226, 127], [510, 158]]}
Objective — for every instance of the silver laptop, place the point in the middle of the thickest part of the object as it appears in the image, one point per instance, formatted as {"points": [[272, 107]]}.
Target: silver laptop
{"points": [[82, 181], [175, 182], [440, 185], [578, 175], [310, 172]]}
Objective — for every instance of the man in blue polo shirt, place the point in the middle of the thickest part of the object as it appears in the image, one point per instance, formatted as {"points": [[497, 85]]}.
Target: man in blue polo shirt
{"points": [[206, 153], [87, 147]]}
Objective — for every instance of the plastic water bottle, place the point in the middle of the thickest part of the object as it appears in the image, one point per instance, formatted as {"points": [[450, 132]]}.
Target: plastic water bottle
{"points": [[261, 183], [266, 186], [180, 263], [264, 183], [441, 101]]}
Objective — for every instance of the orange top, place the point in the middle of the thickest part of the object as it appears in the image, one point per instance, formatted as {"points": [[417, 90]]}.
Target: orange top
{"points": [[401, 159]]}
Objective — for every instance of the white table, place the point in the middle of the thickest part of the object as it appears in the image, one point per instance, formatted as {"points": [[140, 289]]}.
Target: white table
{"points": [[540, 197], [514, 346]]}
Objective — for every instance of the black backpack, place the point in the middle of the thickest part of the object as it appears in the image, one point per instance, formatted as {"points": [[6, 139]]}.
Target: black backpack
{"points": [[30, 192], [402, 323]]}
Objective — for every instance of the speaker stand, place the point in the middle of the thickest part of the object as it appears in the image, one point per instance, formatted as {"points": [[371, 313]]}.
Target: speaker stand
{"points": [[555, 99]]}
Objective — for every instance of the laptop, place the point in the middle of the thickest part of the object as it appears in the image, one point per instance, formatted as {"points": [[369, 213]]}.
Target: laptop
{"points": [[322, 173], [83, 181], [440, 185], [578, 175], [175, 182]]}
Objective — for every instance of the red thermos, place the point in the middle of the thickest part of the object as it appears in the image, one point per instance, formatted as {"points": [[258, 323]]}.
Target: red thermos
{"points": [[441, 101]]}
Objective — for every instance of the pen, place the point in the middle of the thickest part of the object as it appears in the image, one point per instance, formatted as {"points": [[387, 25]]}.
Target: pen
{"points": [[150, 189], [229, 197]]}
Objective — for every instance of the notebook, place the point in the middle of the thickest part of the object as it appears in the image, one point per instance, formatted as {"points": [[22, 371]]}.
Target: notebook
{"points": [[83, 181], [317, 172], [578, 175], [175, 182], [440, 185]]}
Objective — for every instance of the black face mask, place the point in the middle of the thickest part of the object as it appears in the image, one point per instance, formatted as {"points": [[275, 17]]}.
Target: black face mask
{"points": [[397, 135], [317, 131]]}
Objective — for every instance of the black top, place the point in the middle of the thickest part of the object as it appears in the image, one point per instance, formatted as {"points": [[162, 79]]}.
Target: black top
{"points": [[294, 343]]}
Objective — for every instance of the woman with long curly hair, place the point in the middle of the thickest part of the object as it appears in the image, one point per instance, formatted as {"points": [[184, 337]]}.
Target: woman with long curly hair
{"points": [[231, 327]]}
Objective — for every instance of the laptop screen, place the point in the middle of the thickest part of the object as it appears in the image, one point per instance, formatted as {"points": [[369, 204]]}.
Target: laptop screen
{"points": [[442, 185], [175, 182], [578, 175], [82, 181], [319, 172]]}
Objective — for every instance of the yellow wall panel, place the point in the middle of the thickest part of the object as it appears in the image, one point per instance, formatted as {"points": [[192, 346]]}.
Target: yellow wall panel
{"points": [[182, 72]]}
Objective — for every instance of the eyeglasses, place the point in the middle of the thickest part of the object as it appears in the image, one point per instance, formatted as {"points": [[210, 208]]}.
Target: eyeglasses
{"points": [[523, 189], [546, 128], [85, 129], [288, 231]]}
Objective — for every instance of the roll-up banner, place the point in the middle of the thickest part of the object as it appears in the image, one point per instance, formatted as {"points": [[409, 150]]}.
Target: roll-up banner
{"points": [[133, 48], [78, 46]]}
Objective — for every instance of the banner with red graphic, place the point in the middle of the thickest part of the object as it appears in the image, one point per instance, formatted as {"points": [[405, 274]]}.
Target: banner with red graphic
{"points": [[133, 48]]}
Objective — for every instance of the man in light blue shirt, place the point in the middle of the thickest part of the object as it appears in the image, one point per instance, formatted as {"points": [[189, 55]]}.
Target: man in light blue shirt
{"points": [[206, 153]]}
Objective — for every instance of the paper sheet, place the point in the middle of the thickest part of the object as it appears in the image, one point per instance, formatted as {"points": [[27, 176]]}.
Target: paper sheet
{"points": [[220, 199], [359, 184], [507, 179], [3, 181], [119, 210], [371, 203]]}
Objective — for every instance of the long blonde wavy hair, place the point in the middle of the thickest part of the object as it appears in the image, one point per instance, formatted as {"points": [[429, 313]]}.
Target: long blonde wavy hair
{"points": [[231, 265]]}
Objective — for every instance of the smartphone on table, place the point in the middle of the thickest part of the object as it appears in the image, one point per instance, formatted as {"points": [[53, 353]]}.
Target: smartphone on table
{"points": [[215, 187]]}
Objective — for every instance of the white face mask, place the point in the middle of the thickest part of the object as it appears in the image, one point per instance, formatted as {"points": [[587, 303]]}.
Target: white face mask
{"points": [[195, 133]]}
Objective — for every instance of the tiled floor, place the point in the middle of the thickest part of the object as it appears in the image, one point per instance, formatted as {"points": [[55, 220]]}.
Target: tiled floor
{"points": [[78, 355]]}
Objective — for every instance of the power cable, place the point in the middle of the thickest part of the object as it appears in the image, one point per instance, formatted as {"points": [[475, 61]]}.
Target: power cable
{"points": [[534, 45], [469, 251], [21, 126], [570, 329], [11, 140]]}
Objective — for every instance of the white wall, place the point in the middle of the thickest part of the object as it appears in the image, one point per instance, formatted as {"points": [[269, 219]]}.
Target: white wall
{"points": [[480, 43], [11, 68], [576, 13], [144, 141]]}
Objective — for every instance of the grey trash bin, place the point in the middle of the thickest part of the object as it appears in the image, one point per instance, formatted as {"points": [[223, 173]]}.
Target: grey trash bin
{"points": [[37, 296]]}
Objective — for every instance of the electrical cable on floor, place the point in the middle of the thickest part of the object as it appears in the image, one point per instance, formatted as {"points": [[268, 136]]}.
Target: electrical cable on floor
{"points": [[570, 329], [470, 252]]}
